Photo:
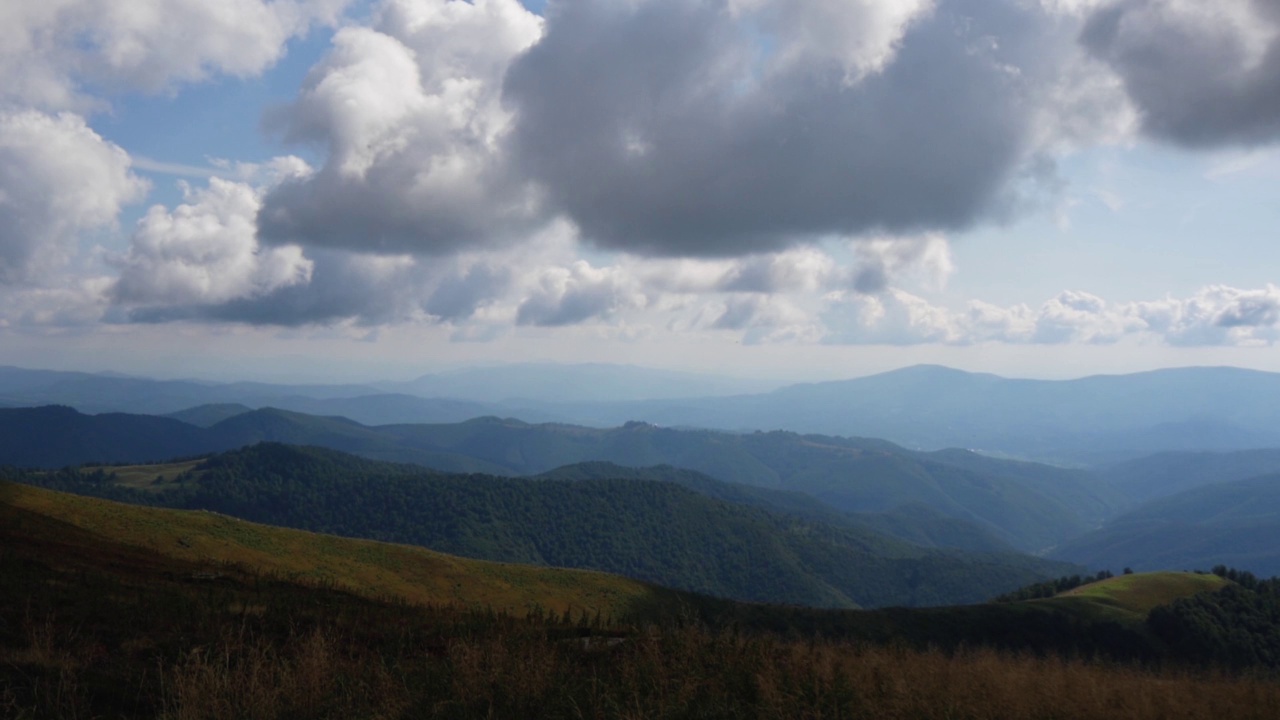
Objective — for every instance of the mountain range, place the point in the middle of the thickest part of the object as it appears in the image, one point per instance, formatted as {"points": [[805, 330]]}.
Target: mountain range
{"points": [[1093, 420], [1024, 505]]}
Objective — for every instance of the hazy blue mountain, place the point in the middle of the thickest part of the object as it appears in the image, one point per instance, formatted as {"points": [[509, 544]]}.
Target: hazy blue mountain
{"points": [[1025, 505], [98, 393], [392, 408], [1092, 420], [209, 415], [54, 436], [586, 382], [1169, 473], [1230, 523], [522, 389]]}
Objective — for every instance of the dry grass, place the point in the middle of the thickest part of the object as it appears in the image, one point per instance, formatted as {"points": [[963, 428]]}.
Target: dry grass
{"points": [[692, 673]]}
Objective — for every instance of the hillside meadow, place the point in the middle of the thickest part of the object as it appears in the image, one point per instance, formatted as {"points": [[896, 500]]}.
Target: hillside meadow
{"points": [[110, 611]]}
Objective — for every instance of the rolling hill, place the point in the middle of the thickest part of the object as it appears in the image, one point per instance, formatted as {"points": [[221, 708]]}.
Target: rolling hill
{"points": [[1026, 505], [1231, 523], [651, 530], [1163, 474], [120, 611], [211, 545]]}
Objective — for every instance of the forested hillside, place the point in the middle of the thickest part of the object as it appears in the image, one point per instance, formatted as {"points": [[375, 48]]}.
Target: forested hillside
{"points": [[1026, 505], [655, 531], [1231, 523]]}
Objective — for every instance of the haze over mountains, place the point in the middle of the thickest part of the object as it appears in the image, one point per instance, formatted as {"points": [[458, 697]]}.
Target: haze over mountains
{"points": [[1141, 457], [1088, 421], [1027, 506]]}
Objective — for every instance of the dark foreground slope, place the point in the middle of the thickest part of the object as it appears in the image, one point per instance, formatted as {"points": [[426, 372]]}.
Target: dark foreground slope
{"points": [[105, 624], [654, 531]]}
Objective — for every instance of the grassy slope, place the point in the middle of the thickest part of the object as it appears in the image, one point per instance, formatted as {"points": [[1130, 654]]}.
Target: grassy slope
{"points": [[371, 569], [1133, 596], [660, 537]]}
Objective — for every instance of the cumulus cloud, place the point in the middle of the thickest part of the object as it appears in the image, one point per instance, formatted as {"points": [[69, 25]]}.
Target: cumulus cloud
{"points": [[75, 303], [1201, 74], [205, 251], [764, 319], [409, 112], [711, 148], [58, 180], [570, 295], [56, 54], [1215, 315], [723, 128], [882, 261], [893, 317], [859, 36]]}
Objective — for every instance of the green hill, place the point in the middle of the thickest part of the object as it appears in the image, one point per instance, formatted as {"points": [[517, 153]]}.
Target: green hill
{"points": [[212, 545], [1231, 523], [1025, 505], [114, 611], [654, 531], [1137, 594]]}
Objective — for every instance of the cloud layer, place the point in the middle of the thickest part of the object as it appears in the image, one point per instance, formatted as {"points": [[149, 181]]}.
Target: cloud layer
{"points": [[59, 181], [1202, 74], [63, 54], [767, 170]]}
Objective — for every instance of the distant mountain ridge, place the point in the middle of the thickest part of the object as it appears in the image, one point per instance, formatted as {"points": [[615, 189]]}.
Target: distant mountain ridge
{"points": [[1234, 523], [1093, 420], [1025, 505]]}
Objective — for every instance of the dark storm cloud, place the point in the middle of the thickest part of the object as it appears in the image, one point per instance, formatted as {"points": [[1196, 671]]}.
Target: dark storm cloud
{"points": [[649, 127], [1202, 74]]}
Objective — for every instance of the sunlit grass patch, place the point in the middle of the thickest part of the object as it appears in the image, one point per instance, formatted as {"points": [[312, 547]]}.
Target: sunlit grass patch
{"points": [[1138, 593]]}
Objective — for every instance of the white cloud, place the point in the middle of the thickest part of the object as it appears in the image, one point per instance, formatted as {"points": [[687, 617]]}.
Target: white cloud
{"points": [[58, 180], [410, 112], [1216, 315], [74, 303], [57, 54], [882, 262], [763, 319], [205, 251], [579, 292], [861, 36]]}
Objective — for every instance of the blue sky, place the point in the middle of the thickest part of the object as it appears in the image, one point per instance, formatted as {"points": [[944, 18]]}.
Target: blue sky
{"points": [[322, 189]]}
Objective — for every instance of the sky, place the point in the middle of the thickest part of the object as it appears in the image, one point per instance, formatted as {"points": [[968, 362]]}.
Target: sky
{"points": [[799, 189]]}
